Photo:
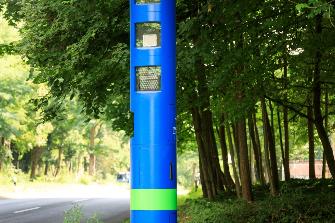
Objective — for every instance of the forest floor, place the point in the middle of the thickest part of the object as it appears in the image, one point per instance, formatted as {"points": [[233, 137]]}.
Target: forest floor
{"points": [[299, 201]]}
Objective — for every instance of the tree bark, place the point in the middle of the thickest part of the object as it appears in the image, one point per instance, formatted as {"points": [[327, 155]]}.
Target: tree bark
{"points": [[317, 103], [286, 146], [311, 142], [324, 163], [204, 162], [273, 177], [281, 139], [224, 151], [256, 150], [286, 160], [46, 169], [36, 155], [244, 161], [202, 180], [258, 143], [59, 160], [232, 155]]}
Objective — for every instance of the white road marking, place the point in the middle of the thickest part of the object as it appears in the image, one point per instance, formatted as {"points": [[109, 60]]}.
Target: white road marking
{"points": [[77, 201], [26, 210]]}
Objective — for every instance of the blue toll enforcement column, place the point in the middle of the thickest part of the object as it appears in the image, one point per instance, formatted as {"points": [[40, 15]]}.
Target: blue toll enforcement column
{"points": [[153, 102]]}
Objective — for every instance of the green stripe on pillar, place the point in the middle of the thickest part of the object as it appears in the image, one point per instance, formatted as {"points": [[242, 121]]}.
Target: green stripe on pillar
{"points": [[153, 199]]}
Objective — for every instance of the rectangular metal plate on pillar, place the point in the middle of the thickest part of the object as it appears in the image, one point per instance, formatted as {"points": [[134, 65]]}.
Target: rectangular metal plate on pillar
{"points": [[153, 102]]}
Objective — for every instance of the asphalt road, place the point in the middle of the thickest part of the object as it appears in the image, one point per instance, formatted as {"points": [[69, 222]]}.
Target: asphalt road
{"points": [[44, 210]]}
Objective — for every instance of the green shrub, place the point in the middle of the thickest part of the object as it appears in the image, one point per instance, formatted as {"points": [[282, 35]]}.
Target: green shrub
{"points": [[299, 201], [75, 215]]}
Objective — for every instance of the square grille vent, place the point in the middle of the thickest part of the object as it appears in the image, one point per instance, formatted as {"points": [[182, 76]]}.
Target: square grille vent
{"points": [[148, 78]]}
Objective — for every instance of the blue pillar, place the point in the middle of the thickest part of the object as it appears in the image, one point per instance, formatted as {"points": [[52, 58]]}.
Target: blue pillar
{"points": [[153, 102]]}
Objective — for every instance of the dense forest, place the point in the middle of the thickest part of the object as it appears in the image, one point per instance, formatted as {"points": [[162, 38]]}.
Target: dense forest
{"points": [[255, 83]]}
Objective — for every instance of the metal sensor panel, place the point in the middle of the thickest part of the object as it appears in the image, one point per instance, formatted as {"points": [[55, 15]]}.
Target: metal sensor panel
{"points": [[148, 78]]}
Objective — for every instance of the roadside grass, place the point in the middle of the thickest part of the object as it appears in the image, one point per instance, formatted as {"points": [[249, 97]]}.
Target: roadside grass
{"points": [[299, 201], [75, 215]]}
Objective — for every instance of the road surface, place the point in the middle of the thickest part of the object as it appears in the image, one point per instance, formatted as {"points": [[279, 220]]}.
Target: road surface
{"points": [[52, 210], [48, 205]]}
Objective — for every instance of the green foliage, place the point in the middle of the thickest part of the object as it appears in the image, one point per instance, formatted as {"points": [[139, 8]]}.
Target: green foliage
{"points": [[86, 46], [75, 215], [300, 201]]}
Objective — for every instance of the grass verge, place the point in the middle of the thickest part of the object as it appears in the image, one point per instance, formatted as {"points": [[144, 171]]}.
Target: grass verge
{"points": [[299, 201]]}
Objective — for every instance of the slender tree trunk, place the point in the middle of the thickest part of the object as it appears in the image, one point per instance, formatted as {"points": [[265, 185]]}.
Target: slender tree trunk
{"points": [[317, 103], [244, 161], [59, 160], [92, 158], [324, 163], [224, 151], [78, 163], [36, 155], [232, 155], [272, 121], [258, 144], [237, 146], [286, 160], [311, 142], [274, 178], [287, 146], [258, 172], [281, 141], [206, 173], [46, 169]]}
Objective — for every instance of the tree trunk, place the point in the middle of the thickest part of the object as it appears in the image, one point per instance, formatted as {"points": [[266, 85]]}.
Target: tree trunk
{"points": [[311, 142], [59, 161], [257, 156], [244, 161], [281, 140], [202, 180], [207, 178], [92, 158], [317, 103], [258, 143], [237, 146], [91, 168], [224, 151], [232, 155], [46, 169], [273, 177], [36, 155], [286, 160], [272, 122], [324, 164]]}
